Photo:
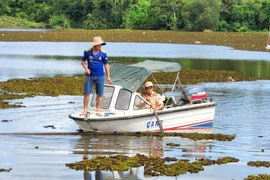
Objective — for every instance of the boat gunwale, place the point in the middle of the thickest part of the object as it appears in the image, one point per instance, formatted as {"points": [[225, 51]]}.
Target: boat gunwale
{"points": [[161, 112]]}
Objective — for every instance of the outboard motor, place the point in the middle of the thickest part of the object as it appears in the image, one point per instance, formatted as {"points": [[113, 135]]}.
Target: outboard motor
{"points": [[196, 94]]}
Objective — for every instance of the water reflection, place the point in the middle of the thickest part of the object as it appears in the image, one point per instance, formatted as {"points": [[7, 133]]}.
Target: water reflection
{"points": [[25, 66], [150, 50], [48, 59], [250, 68], [90, 146]]}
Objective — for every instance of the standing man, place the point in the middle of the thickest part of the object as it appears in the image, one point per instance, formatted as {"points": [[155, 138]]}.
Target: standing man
{"points": [[97, 61]]}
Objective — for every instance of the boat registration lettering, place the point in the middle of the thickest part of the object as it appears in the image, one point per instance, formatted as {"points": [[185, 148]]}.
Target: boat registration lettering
{"points": [[151, 124]]}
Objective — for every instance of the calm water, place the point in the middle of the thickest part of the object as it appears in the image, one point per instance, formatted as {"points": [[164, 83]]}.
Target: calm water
{"points": [[39, 59], [243, 108]]}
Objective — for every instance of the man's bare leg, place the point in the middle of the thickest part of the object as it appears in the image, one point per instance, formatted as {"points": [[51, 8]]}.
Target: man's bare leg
{"points": [[98, 100], [85, 103]]}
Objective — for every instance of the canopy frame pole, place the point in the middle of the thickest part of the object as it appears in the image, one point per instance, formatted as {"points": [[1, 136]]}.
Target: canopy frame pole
{"points": [[174, 84], [180, 84], [157, 84]]}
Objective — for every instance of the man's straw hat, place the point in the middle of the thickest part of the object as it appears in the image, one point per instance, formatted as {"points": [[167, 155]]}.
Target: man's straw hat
{"points": [[97, 41], [148, 84]]}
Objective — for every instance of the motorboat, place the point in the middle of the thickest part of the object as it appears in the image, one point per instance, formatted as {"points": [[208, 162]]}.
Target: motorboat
{"points": [[124, 109]]}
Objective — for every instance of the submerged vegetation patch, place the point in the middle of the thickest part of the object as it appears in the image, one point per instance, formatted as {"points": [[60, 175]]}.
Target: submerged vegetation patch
{"points": [[258, 177], [5, 170], [21, 88], [193, 136], [259, 163], [172, 144], [153, 166], [55, 86]]}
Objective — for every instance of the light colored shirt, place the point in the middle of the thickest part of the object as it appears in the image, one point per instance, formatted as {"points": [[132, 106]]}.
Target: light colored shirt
{"points": [[154, 99]]}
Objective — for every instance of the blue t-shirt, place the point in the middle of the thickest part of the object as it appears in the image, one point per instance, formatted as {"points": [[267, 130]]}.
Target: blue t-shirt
{"points": [[95, 62]]}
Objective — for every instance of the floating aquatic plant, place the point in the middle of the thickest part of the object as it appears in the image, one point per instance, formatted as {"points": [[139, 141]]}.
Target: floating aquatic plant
{"points": [[172, 144], [153, 166], [5, 170], [55, 86], [258, 177], [193, 136], [259, 163]]}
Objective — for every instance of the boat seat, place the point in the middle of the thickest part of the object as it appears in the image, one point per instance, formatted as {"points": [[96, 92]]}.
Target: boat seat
{"points": [[169, 102]]}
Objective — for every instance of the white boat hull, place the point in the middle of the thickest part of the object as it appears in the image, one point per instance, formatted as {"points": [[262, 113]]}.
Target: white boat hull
{"points": [[268, 47], [173, 119]]}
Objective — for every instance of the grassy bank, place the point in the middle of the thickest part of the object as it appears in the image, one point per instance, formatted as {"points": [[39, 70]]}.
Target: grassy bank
{"points": [[241, 41], [11, 22], [253, 41]]}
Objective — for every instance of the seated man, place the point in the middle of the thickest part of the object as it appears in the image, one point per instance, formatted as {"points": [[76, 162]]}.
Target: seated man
{"points": [[152, 97]]}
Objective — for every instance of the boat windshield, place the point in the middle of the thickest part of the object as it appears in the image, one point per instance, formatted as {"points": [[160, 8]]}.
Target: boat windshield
{"points": [[140, 103], [123, 99], [106, 98]]}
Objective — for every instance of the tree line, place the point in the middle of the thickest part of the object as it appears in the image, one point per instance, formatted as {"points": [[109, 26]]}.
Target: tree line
{"points": [[177, 15]]}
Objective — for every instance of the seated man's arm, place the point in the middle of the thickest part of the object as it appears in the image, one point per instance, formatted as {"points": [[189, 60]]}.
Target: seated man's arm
{"points": [[143, 104], [160, 103]]}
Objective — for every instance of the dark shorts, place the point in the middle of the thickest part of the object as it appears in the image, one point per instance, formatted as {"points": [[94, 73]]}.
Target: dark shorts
{"points": [[98, 81]]}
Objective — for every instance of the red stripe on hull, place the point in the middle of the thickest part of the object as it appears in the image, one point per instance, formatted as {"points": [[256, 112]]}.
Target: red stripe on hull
{"points": [[187, 126]]}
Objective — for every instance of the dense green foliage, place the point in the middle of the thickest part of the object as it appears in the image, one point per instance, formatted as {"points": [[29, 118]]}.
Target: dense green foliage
{"points": [[183, 15]]}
